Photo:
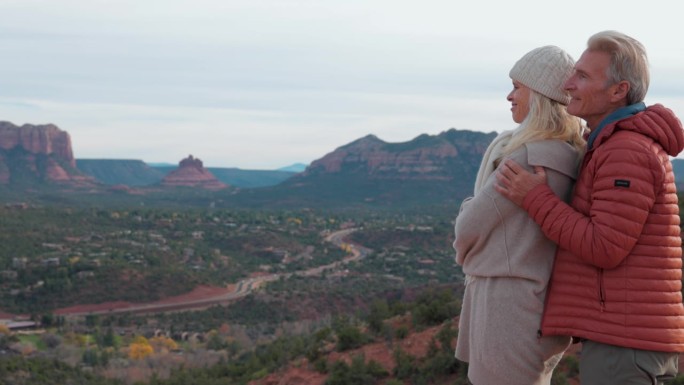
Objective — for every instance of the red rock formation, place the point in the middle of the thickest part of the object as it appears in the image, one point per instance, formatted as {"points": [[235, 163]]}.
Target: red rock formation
{"points": [[43, 139], [191, 173], [42, 150], [423, 158]]}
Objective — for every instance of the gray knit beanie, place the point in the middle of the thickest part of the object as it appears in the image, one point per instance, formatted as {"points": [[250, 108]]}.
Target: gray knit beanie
{"points": [[545, 70]]}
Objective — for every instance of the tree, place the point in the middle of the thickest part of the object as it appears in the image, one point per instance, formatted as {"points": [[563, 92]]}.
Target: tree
{"points": [[51, 340], [358, 373], [6, 337], [215, 342], [434, 308], [404, 365], [446, 337], [92, 320], [90, 357], [47, 320], [140, 348], [109, 339], [349, 337], [162, 344], [379, 312]]}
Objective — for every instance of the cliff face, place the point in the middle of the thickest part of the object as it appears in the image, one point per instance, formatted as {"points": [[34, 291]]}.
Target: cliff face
{"points": [[451, 154], [43, 139], [37, 152], [191, 173], [430, 169]]}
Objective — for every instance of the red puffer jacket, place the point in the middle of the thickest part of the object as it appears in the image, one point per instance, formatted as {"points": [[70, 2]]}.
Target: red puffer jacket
{"points": [[618, 269]]}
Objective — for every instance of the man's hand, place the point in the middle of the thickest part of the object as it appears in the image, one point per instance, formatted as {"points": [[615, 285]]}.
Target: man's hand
{"points": [[514, 182]]}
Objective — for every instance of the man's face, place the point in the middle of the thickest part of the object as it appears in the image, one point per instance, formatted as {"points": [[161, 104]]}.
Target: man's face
{"points": [[592, 98]]}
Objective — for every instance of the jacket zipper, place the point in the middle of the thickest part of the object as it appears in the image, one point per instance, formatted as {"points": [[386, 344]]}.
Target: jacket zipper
{"points": [[602, 291]]}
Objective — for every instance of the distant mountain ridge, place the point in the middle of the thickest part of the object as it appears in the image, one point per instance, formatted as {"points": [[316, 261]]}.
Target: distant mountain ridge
{"points": [[137, 173], [297, 167], [446, 156], [430, 169], [427, 170], [129, 172]]}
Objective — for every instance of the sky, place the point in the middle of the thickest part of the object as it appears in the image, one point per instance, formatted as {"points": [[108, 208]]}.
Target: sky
{"points": [[262, 84]]}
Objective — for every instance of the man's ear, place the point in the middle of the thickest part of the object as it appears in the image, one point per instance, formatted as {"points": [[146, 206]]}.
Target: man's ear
{"points": [[620, 90]]}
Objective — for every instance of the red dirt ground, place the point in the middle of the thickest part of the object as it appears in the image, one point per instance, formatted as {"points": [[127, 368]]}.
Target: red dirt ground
{"points": [[199, 293], [4, 315], [301, 373]]}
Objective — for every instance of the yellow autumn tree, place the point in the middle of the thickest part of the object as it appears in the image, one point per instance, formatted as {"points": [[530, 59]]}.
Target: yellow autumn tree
{"points": [[296, 221], [163, 344], [140, 348]]}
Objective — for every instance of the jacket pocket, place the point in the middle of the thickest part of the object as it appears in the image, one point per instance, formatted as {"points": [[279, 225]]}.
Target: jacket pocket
{"points": [[602, 290]]}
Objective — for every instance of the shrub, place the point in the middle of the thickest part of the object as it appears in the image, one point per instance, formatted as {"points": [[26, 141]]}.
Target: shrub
{"points": [[402, 332], [51, 340], [404, 365]]}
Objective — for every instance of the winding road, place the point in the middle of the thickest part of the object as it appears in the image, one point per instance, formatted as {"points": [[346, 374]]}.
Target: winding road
{"points": [[239, 290]]}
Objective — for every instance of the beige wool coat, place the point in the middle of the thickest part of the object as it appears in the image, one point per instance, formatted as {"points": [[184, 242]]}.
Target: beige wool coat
{"points": [[507, 261]]}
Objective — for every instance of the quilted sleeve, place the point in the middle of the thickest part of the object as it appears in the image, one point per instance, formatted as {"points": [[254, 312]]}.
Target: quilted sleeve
{"points": [[612, 202]]}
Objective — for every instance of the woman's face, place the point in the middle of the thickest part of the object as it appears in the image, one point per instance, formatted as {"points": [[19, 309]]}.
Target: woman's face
{"points": [[520, 101]]}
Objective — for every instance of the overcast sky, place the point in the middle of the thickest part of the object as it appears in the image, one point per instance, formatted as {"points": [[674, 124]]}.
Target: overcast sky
{"points": [[261, 84]]}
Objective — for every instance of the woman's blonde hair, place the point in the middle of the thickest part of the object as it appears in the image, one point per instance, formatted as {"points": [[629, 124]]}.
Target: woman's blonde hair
{"points": [[547, 119]]}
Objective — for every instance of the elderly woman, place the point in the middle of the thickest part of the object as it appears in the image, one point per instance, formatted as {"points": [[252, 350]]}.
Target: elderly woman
{"points": [[506, 258]]}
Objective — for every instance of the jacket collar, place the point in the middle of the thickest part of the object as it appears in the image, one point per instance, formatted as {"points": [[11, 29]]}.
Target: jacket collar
{"points": [[614, 116]]}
